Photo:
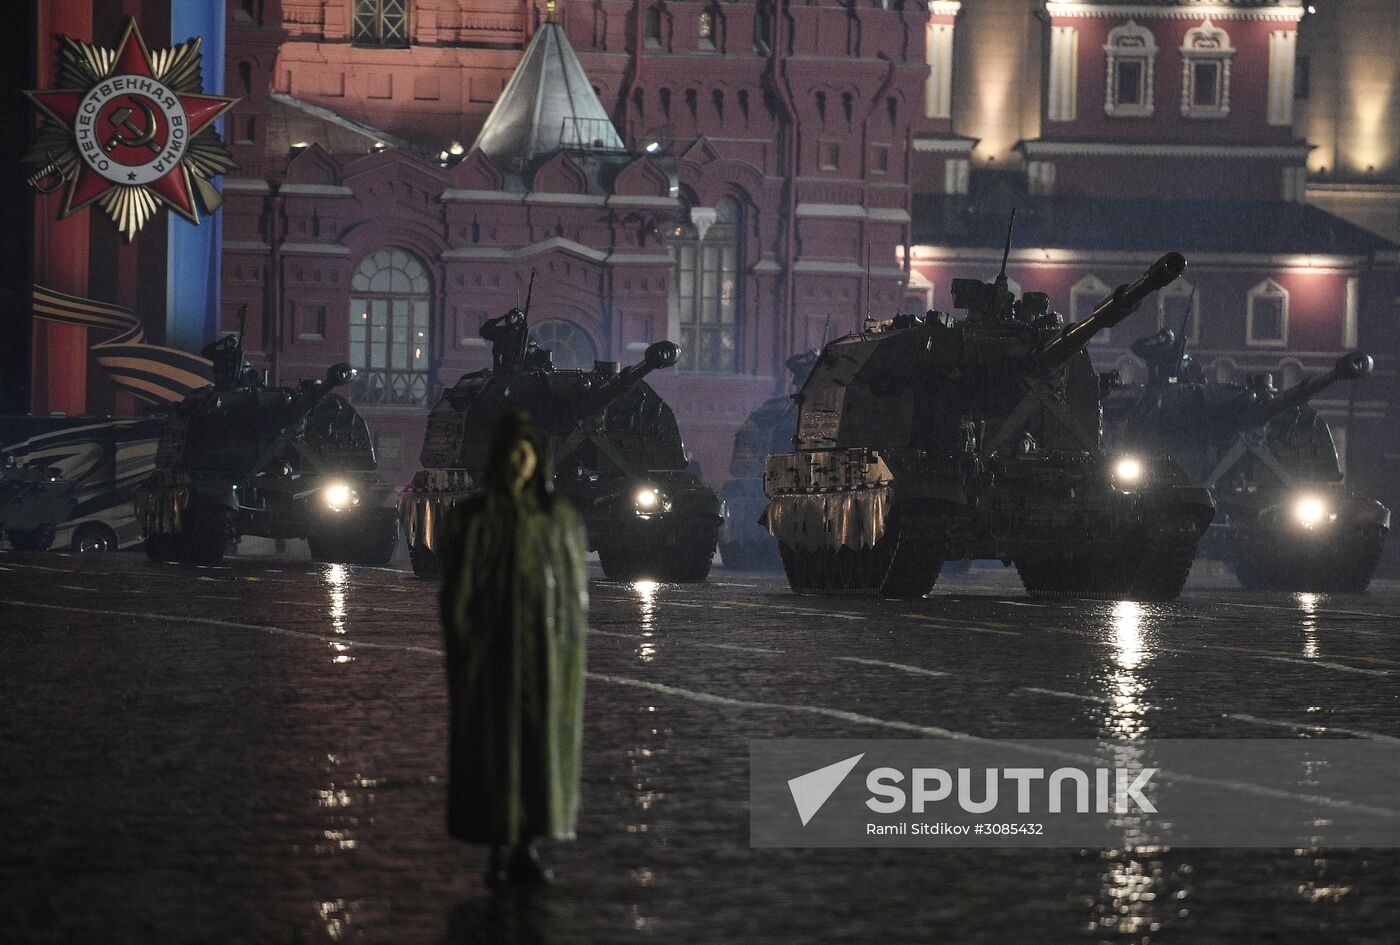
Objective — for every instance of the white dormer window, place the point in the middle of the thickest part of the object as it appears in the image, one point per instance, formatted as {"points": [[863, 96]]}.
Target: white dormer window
{"points": [[1267, 321], [1131, 53], [1205, 72]]}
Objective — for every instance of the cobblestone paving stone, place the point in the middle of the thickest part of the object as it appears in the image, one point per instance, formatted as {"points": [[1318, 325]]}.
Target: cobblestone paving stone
{"points": [[255, 753]]}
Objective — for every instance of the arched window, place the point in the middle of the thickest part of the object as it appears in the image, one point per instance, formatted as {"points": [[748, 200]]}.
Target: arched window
{"points": [[1131, 53], [707, 28], [1083, 296], [1267, 322], [706, 287], [1180, 303], [651, 27], [569, 344], [389, 297]]}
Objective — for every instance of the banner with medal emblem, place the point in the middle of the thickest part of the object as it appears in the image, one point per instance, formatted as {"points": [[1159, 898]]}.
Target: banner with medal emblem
{"points": [[130, 130]]}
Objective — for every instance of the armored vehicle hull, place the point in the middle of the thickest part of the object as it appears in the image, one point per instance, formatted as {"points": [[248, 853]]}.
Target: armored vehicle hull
{"points": [[1287, 521], [925, 440], [743, 542], [617, 453], [241, 459], [34, 501]]}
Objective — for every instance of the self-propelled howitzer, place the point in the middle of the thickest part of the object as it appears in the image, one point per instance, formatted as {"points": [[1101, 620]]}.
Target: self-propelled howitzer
{"points": [[618, 456], [241, 459], [1286, 519], [928, 439]]}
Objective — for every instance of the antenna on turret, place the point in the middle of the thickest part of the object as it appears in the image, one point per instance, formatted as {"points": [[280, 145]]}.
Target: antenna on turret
{"points": [[529, 291], [826, 329], [867, 282], [1185, 324], [1006, 253], [242, 324]]}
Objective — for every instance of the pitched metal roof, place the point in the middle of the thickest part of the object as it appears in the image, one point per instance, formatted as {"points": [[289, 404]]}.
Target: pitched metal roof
{"points": [[1142, 224], [548, 106]]}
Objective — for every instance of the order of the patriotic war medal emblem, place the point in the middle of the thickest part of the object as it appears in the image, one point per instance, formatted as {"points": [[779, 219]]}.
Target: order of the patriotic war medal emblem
{"points": [[130, 129]]}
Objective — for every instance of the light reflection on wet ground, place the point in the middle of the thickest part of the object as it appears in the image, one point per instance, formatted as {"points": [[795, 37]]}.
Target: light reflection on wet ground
{"points": [[254, 753]]}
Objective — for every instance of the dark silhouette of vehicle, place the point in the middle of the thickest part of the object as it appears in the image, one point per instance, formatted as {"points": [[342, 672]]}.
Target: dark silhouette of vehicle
{"points": [[239, 458], [618, 456], [743, 542], [1286, 518], [926, 439]]}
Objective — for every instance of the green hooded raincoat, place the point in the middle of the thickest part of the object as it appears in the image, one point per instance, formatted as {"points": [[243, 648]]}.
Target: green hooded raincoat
{"points": [[514, 604]]}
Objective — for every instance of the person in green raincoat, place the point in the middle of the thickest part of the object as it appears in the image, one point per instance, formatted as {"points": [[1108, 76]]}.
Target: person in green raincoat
{"points": [[514, 608]]}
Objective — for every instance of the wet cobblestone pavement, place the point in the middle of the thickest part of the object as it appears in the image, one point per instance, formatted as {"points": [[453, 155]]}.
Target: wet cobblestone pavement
{"points": [[255, 753]]}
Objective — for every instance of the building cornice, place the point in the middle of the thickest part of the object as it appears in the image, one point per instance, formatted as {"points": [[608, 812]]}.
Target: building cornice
{"points": [[1044, 148], [1180, 11], [245, 185], [944, 7], [315, 190], [481, 196], [315, 249], [930, 144], [1043, 257]]}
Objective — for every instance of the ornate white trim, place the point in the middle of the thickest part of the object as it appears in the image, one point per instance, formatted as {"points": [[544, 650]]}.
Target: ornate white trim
{"points": [[1271, 290], [1186, 11], [935, 145], [944, 7], [1106, 149], [1129, 43], [1206, 43]]}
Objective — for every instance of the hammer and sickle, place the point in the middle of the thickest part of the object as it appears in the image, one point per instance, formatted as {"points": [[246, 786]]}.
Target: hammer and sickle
{"points": [[140, 137]]}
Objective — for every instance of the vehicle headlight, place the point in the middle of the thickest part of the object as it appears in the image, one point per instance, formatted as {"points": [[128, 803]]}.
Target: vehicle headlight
{"points": [[649, 501], [1128, 470], [1311, 511], [339, 496]]}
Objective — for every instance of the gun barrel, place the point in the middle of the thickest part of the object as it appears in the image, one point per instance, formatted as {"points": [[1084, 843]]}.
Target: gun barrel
{"points": [[662, 354], [1349, 367], [1118, 305]]}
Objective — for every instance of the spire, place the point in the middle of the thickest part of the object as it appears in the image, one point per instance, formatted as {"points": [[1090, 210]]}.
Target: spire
{"points": [[548, 106]]}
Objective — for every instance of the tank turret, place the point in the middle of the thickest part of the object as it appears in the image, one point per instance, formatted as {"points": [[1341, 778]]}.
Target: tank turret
{"points": [[617, 452], [239, 458], [34, 500], [607, 388], [928, 439], [1287, 520], [1122, 302], [1259, 403]]}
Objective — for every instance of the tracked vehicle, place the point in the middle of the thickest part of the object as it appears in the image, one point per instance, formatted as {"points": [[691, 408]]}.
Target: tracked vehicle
{"points": [[743, 543], [1286, 518], [239, 458], [618, 457], [926, 439]]}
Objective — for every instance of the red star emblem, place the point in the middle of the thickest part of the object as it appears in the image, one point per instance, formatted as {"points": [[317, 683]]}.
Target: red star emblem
{"points": [[131, 129]]}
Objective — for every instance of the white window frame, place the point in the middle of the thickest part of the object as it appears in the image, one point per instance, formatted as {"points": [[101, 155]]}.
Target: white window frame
{"points": [[1095, 287], [1271, 290], [1177, 289], [938, 87], [1205, 44], [1062, 101], [1129, 43]]}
